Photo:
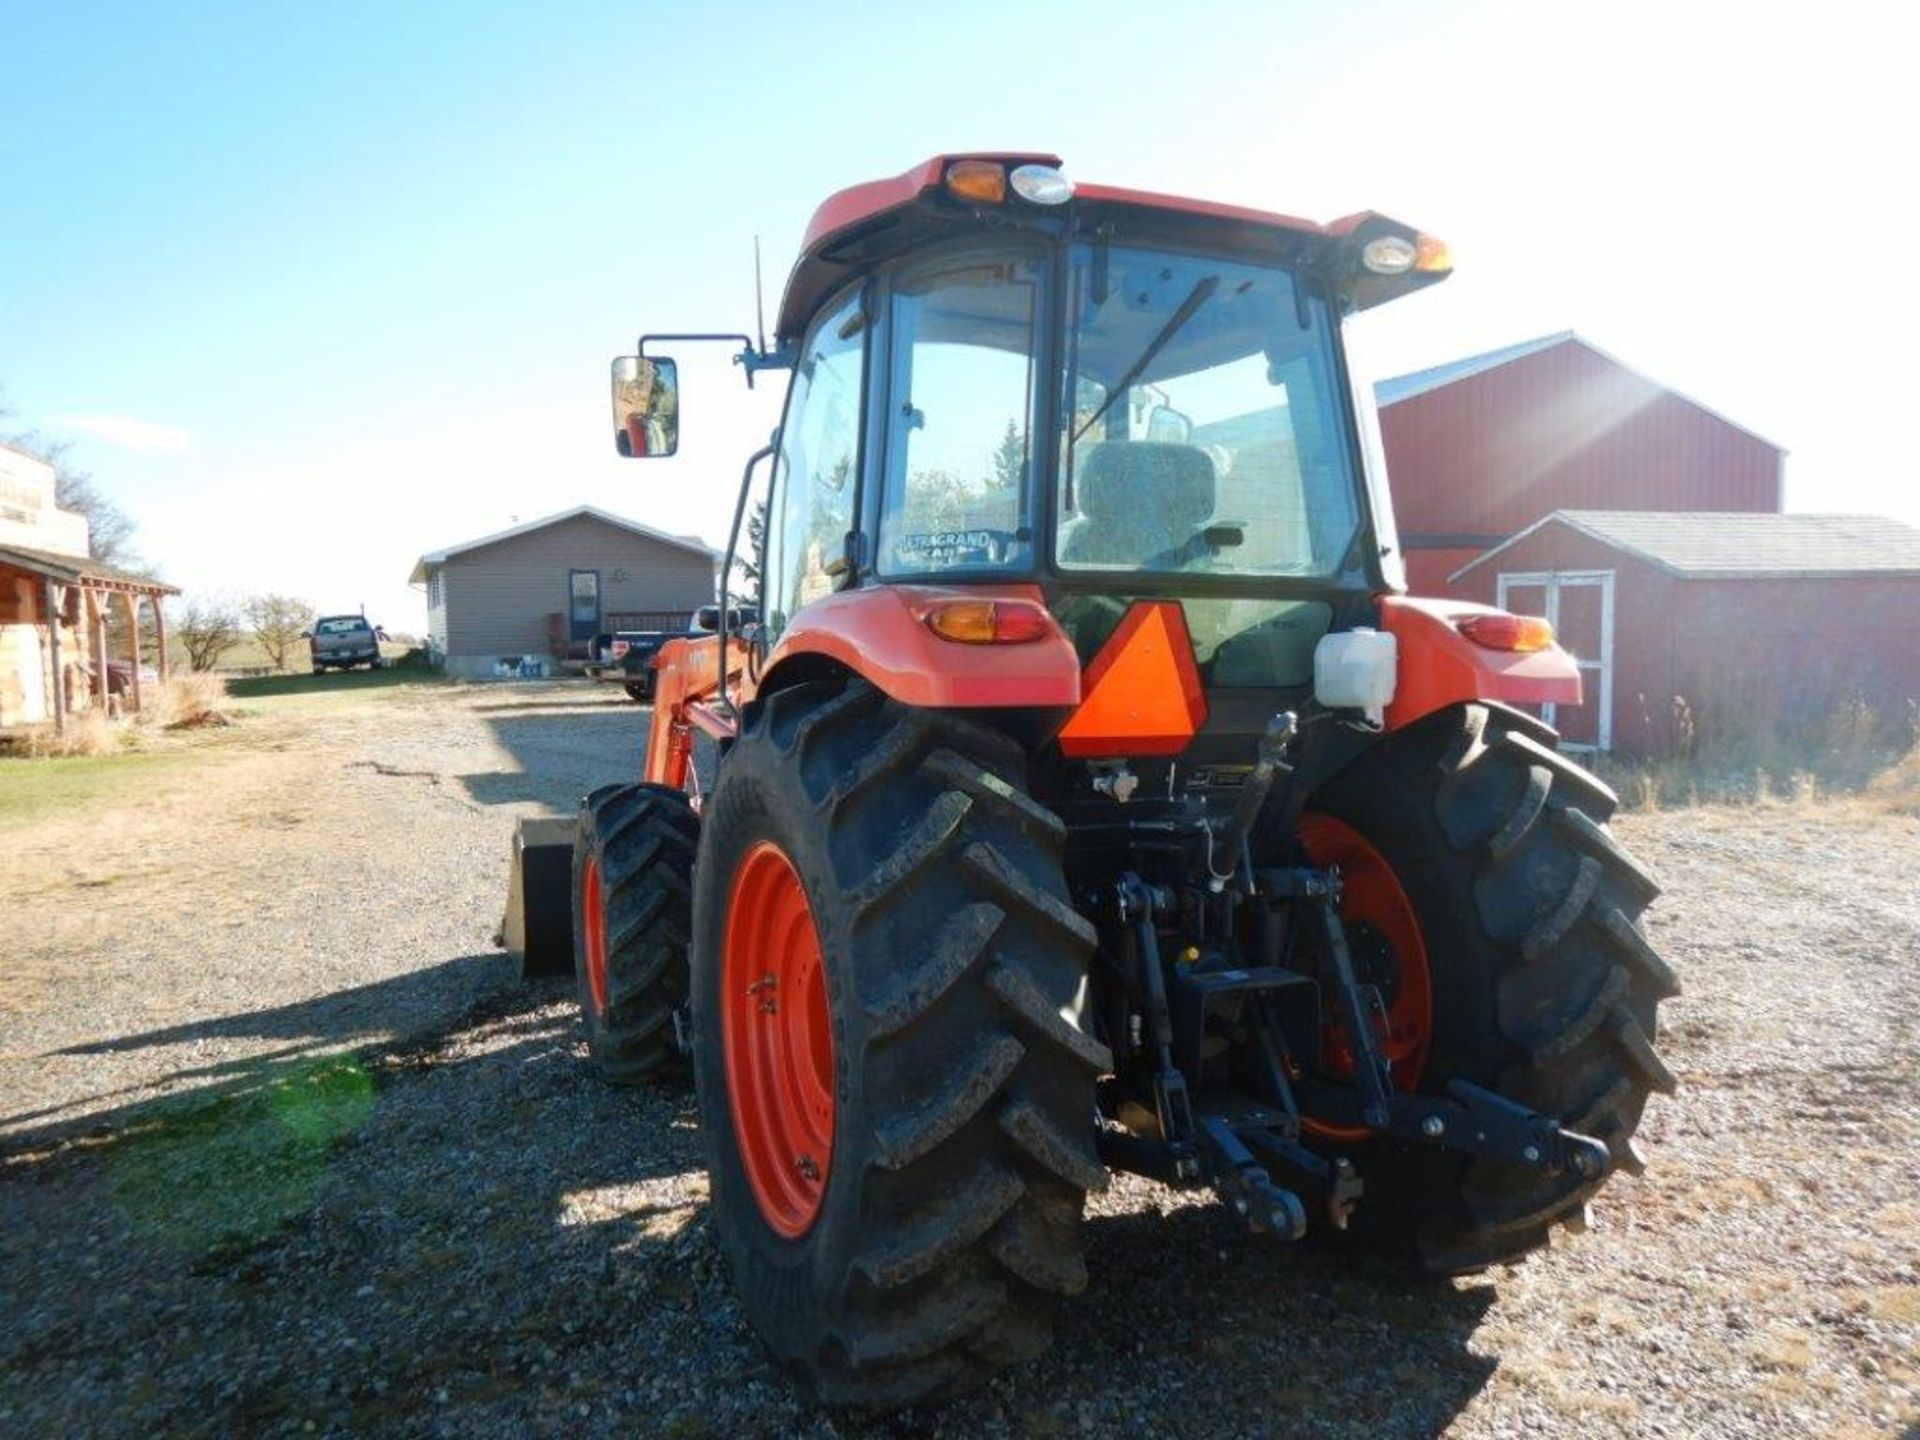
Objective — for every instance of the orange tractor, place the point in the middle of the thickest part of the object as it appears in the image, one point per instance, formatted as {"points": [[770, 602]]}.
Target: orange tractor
{"points": [[1087, 796]]}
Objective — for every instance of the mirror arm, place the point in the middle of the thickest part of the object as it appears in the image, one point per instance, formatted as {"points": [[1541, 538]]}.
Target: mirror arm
{"points": [[726, 567], [751, 358]]}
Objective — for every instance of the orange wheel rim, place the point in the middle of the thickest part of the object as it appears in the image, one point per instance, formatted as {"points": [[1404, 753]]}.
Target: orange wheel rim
{"points": [[1373, 907], [778, 1039], [593, 924]]}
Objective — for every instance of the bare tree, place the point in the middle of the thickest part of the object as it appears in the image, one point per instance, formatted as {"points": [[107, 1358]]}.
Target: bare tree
{"points": [[207, 629], [279, 623]]}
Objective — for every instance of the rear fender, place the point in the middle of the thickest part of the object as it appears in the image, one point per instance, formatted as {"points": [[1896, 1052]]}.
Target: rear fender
{"points": [[1439, 667], [881, 634]]}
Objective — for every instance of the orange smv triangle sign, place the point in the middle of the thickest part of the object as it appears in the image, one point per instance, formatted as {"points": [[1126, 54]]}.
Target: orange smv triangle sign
{"points": [[1141, 695]]}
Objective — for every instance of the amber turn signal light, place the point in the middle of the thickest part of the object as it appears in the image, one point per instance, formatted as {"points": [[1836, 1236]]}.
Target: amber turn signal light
{"points": [[1523, 634], [988, 622], [982, 181]]}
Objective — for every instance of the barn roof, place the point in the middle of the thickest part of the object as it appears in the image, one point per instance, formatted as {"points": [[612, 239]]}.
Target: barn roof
{"points": [[1717, 545], [683, 542], [1419, 382], [1405, 387]]}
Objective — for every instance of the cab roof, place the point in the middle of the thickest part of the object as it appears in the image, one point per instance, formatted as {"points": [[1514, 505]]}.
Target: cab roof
{"points": [[867, 222]]}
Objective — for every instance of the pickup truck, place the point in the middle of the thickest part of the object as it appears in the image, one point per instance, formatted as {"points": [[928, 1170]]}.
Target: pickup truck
{"points": [[625, 657], [343, 641]]}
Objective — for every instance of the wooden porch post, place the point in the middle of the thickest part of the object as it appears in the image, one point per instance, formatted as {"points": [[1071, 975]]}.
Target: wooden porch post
{"points": [[159, 603], [100, 646], [53, 599], [132, 600]]}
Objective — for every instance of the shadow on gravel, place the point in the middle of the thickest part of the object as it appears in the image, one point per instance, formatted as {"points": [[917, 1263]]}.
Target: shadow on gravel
{"points": [[462, 1232], [356, 1011], [369, 1239]]}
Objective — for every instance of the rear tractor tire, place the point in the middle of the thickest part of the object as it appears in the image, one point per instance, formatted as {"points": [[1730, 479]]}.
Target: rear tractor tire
{"points": [[896, 1085], [632, 888], [1536, 980]]}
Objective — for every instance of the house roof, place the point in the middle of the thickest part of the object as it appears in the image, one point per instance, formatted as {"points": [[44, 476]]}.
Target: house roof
{"points": [[1703, 545], [79, 570], [684, 542], [1419, 382]]}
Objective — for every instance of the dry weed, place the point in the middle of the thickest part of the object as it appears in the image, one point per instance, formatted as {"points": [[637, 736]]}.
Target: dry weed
{"points": [[188, 702], [90, 733]]}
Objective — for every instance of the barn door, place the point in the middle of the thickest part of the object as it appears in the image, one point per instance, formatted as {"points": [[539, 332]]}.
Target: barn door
{"points": [[1579, 603]]}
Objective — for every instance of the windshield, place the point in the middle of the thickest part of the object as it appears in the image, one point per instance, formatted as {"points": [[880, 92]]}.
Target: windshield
{"points": [[1201, 425]]}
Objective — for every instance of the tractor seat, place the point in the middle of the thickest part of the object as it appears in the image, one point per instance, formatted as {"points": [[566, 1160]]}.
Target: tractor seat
{"points": [[1137, 499]]}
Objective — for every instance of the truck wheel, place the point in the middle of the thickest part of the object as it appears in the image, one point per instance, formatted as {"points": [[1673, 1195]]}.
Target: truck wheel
{"points": [[1496, 911], [638, 691], [895, 1083], [632, 886]]}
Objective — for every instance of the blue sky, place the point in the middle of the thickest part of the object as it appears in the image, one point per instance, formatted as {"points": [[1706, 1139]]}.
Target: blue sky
{"points": [[316, 288]]}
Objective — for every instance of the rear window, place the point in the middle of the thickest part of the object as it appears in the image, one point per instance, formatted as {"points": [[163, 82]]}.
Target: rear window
{"points": [[340, 625]]}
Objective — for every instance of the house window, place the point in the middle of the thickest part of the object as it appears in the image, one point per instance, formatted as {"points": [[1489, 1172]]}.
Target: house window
{"points": [[434, 598]]}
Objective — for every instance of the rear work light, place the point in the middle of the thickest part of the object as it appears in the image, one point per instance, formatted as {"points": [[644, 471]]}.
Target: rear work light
{"points": [[988, 622], [1522, 634], [1396, 255], [1041, 185]]}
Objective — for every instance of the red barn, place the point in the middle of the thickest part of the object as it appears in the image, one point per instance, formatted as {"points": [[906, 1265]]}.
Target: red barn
{"points": [[1481, 448], [1781, 616]]}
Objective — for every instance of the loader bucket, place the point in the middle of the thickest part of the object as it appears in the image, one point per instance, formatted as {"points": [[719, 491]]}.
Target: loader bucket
{"points": [[538, 926]]}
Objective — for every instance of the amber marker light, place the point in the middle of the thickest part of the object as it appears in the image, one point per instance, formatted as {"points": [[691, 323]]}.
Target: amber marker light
{"points": [[1522, 634], [1431, 256], [988, 622], [982, 181]]}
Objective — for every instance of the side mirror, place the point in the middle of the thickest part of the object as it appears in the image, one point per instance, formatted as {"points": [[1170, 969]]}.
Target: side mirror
{"points": [[646, 407]]}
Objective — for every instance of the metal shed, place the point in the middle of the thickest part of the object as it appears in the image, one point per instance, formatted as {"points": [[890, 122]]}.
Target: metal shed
{"points": [[1786, 614]]}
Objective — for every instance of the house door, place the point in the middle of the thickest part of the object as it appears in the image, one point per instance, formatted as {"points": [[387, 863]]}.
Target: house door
{"points": [[583, 612], [1579, 604]]}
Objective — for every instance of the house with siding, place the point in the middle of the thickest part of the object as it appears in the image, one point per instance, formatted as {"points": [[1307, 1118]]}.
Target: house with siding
{"points": [[540, 591]]}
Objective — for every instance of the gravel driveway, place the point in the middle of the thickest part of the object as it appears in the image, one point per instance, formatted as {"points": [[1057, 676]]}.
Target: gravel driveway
{"points": [[283, 1149]]}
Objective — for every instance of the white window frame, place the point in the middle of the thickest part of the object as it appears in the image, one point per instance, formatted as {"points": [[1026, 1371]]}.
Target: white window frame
{"points": [[1551, 581]]}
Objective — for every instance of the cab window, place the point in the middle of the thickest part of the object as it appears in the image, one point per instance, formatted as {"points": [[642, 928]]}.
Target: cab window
{"points": [[959, 467], [811, 506]]}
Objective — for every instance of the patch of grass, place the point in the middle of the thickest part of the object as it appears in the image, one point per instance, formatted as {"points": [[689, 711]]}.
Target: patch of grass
{"points": [[1734, 755], [334, 682], [33, 788]]}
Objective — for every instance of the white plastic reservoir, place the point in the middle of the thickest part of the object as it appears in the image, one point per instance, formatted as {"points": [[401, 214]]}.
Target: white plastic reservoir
{"points": [[1354, 670]]}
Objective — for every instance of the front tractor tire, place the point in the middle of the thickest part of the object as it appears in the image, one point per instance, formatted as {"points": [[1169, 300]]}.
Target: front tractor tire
{"points": [[632, 892], [1540, 984], [896, 1085]]}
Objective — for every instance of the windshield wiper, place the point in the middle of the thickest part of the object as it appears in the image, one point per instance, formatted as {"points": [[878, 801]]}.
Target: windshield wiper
{"points": [[1202, 292]]}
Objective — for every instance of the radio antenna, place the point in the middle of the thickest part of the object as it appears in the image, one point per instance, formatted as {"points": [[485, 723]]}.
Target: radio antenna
{"points": [[759, 303]]}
